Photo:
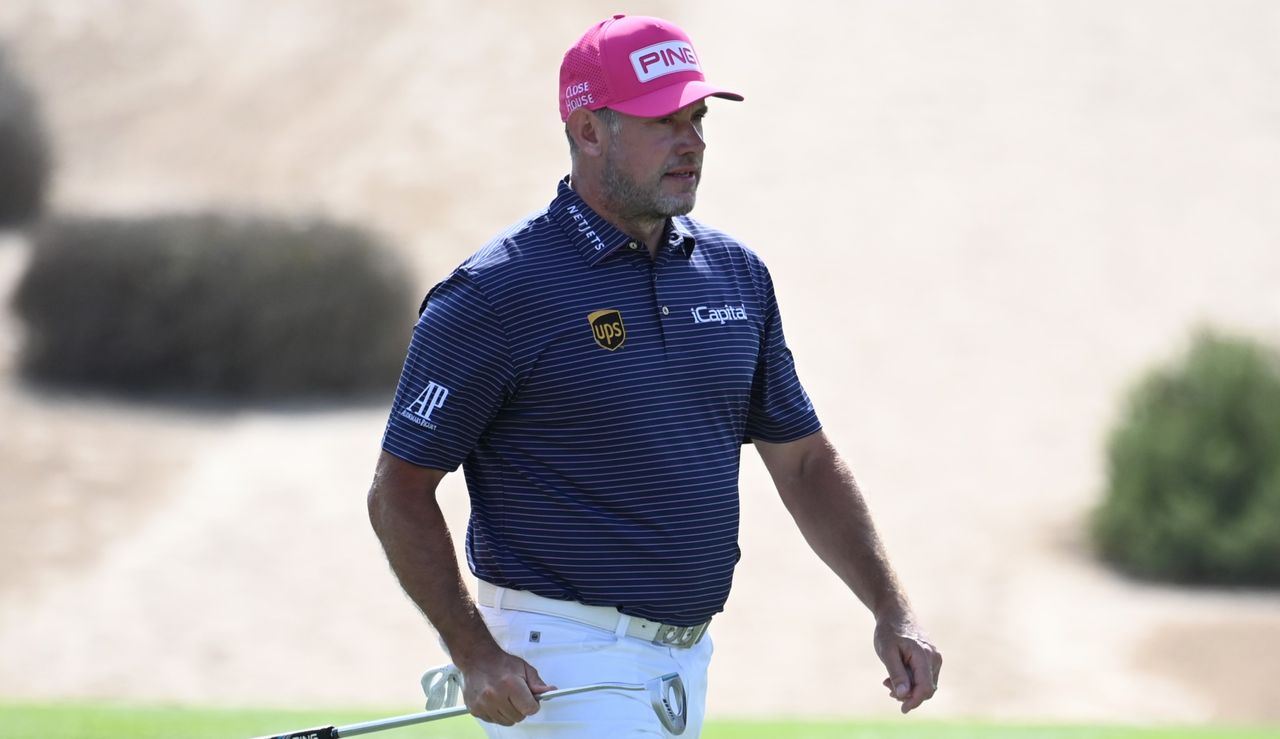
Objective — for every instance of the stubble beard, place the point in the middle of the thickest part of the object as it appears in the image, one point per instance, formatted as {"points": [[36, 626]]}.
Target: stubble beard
{"points": [[640, 203]]}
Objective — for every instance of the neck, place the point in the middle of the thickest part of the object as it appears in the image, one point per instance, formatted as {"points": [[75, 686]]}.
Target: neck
{"points": [[645, 229]]}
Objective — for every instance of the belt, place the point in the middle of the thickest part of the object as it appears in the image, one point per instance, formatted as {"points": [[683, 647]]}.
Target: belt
{"points": [[601, 617]]}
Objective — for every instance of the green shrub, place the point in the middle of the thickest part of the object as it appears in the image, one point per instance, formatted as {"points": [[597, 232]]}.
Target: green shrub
{"points": [[1194, 468], [24, 151], [214, 304]]}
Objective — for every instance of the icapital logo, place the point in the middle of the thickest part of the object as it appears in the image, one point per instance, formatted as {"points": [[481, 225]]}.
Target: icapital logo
{"points": [[420, 410], [703, 314]]}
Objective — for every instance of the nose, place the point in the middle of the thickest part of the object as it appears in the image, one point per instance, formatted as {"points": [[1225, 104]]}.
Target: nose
{"points": [[691, 139]]}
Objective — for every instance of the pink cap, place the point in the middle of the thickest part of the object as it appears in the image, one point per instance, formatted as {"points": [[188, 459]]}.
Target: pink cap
{"points": [[636, 65]]}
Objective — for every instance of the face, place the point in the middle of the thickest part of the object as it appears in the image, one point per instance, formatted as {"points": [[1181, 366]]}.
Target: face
{"points": [[652, 166]]}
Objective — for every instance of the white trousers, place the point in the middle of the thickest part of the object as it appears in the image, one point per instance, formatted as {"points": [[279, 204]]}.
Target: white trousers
{"points": [[568, 654]]}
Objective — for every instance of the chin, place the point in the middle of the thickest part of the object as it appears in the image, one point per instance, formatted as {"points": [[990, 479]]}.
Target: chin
{"points": [[677, 206]]}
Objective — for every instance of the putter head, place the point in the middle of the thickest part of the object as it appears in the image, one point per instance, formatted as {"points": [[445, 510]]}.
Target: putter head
{"points": [[667, 695]]}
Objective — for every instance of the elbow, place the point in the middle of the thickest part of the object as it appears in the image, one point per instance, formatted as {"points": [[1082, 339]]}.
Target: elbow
{"points": [[399, 491], [380, 497], [375, 501]]}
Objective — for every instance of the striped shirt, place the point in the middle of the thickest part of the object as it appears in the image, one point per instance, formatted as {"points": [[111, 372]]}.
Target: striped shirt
{"points": [[598, 401]]}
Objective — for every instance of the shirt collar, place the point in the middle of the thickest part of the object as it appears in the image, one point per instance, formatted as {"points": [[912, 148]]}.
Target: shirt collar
{"points": [[679, 235], [595, 238]]}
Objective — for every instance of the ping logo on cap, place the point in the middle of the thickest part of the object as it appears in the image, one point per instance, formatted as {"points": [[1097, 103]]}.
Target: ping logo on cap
{"points": [[664, 58]]}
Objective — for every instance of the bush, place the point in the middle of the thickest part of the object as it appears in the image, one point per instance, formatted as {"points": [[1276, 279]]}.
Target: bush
{"points": [[214, 304], [1194, 470], [24, 151]]}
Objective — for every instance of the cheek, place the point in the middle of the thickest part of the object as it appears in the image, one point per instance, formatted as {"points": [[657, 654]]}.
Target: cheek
{"points": [[656, 160], [640, 166], [647, 149], [642, 157]]}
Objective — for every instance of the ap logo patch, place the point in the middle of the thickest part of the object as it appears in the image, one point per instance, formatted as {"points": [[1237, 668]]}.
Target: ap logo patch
{"points": [[607, 328], [420, 410]]}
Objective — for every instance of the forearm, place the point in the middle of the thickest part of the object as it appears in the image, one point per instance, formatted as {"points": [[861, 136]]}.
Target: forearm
{"points": [[419, 549], [823, 498]]}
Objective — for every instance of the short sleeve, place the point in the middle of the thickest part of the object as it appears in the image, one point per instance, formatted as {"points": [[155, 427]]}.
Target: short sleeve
{"points": [[455, 378], [780, 408]]}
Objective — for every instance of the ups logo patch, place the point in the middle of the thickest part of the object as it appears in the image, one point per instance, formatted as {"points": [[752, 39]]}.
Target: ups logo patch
{"points": [[607, 328]]}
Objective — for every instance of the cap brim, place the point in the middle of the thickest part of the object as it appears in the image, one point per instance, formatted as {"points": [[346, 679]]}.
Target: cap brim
{"points": [[671, 98]]}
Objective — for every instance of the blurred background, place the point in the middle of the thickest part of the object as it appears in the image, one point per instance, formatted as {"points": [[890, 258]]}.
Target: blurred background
{"points": [[986, 220]]}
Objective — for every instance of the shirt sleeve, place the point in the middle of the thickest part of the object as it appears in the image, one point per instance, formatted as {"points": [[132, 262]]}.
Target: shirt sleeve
{"points": [[780, 408], [455, 378]]}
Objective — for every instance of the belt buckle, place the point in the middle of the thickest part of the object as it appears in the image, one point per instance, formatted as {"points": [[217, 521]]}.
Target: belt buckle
{"points": [[680, 637]]}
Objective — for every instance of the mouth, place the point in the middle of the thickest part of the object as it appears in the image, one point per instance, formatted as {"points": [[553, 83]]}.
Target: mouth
{"points": [[684, 174]]}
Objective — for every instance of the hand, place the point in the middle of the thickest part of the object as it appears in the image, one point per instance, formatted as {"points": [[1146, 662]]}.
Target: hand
{"points": [[501, 688], [913, 663]]}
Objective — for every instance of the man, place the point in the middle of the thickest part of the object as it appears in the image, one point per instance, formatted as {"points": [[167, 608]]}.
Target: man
{"points": [[596, 369]]}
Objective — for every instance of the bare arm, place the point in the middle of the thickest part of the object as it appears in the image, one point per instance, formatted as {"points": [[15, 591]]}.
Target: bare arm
{"points": [[497, 686], [820, 493]]}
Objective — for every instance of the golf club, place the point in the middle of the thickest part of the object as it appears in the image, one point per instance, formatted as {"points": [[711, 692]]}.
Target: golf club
{"points": [[666, 695]]}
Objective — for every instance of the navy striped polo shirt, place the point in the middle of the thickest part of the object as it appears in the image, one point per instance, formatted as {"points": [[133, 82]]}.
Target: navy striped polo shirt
{"points": [[598, 401]]}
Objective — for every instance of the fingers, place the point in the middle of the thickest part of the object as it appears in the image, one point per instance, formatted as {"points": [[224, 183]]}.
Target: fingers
{"points": [[914, 666], [922, 680], [535, 682], [505, 702], [925, 664], [510, 709], [899, 682], [504, 693]]}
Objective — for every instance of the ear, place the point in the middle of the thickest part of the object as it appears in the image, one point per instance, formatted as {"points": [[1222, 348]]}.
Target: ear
{"points": [[588, 131]]}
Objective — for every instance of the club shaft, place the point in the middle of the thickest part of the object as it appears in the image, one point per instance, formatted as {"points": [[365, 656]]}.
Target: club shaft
{"points": [[588, 688], [395, 722], [409, 719]]}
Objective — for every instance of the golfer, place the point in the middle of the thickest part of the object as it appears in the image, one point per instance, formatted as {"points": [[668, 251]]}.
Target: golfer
{"points": [[595, 370]]}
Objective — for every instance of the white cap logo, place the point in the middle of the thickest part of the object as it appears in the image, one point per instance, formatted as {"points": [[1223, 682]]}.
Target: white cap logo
{"points": [[665, 58]]}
